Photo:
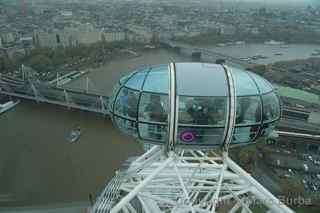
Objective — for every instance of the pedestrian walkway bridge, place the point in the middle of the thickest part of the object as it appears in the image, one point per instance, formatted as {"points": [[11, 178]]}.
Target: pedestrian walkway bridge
{"points": [[35, 90]]}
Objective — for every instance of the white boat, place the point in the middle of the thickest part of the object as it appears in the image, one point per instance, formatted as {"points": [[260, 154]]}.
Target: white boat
{"points": [[273, 42], [73, 136], [240, 42], [221, 45], [8, 105]]}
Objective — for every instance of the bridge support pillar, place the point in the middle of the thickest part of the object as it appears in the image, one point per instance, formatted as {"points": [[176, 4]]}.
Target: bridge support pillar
{"points": [[103, 106], [67, 98], [35, 93]]}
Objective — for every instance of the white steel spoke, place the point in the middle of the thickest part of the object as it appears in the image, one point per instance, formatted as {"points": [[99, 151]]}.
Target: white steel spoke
{"points": [[188, 181]]}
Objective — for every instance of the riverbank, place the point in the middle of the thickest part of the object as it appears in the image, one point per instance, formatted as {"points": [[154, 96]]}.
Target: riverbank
{"points": [[103, 78], [265, 53], [300, 74]]}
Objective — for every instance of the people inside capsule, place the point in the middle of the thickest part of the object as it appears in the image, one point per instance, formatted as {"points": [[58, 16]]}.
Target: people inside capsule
{"points": [[271, 111], [202, 114], [155, 111], [198, 111], [248, 113], [123, 103]]}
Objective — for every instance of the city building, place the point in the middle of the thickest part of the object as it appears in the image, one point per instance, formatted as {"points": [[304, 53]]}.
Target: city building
{"points": [[139, 34], [227, 29], [46, 39], [114, 36], [69, 36], [27, 42], [7, 37]]}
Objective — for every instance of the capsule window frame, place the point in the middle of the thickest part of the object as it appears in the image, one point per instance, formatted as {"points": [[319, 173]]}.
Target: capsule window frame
{"points": [[122, 84]]}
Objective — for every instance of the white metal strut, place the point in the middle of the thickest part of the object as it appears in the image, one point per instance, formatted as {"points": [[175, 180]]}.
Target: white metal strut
{"points": [[189, 181]]}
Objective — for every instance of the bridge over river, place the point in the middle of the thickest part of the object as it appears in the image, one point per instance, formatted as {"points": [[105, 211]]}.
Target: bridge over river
{"points": [[208, 55], [35, 90]]}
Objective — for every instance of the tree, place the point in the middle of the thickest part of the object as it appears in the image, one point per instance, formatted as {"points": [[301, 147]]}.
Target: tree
{"points": [[266, 151], [7, 64], [41, 63], [42, 51], [244, 157], [247, 155], [260, 68]]}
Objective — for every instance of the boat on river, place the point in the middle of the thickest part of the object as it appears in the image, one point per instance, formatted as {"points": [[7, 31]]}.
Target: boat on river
{"points": [[74, 135], [7, 105]]}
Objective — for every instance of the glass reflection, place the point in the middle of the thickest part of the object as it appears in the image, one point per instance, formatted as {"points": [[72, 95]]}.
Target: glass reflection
{"points": [[153, 107], [263, 85], [200, 136], [141, 100], [153, 132], [113, 96], [157, 80], [202, 110], [271, 109], [245, 134], [127, 103], [127, 126], [244, 83], [248, 110], [125, 78], [136, 81]]}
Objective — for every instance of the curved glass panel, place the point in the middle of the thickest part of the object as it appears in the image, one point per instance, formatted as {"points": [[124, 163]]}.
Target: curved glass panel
{"points": [[153, 107], [114, 93], [127, 126], [271, 107], [198, 136], [244, 84], [264, 85], [154, 132], [126, 77], [245, 134], [157, 80], [202, 110], [127, 103], [136, 81], [197, 79], [248, 110]]}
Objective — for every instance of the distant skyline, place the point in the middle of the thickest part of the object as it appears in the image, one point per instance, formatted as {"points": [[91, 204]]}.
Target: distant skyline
{"points": [[270, 1], [262, 2]]}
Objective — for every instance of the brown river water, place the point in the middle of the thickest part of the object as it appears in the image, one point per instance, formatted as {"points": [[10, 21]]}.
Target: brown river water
{"points": [[37, 164]]}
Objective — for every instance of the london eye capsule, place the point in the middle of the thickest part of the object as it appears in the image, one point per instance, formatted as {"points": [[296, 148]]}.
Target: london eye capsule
{"points": [[194, 105]]}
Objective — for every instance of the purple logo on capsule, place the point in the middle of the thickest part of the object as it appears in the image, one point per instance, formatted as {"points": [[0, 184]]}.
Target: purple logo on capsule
{"points": [[188, 136]]}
